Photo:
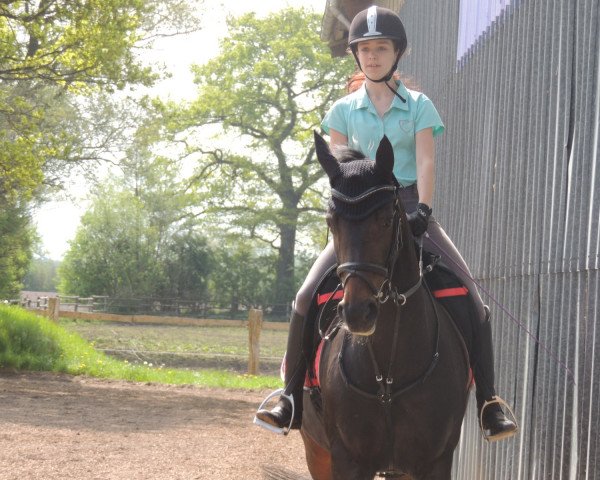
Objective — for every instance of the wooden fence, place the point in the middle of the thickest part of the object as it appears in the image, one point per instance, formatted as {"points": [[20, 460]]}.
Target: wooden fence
{"points": [[149, 306], [70, 303], [254, 323]]}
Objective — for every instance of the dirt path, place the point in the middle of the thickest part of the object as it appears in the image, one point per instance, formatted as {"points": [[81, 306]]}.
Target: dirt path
{"points": [[63, 427]]}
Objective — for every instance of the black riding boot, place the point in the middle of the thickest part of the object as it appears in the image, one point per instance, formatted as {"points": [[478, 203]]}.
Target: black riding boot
{"points": [[494, 423], [295, 372]]}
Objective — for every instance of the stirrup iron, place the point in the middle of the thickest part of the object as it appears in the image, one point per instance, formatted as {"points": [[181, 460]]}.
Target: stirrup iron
{"points": [[505, 405], [269, 427]]}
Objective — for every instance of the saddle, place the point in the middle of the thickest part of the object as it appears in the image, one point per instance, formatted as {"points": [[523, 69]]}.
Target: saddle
{"points": [[444, 285]]}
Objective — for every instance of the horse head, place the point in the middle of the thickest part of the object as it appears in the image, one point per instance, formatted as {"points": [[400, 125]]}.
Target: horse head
{"points": [[365, 218]]}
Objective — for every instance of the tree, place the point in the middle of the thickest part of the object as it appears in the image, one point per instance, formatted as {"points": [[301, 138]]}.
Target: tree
{"points": [[188, 264], [56, 59], [16, 239], [53, 49], [78, 44], [133, 240], [243, 274], [112, 252], [267, 90], [42, 275]]}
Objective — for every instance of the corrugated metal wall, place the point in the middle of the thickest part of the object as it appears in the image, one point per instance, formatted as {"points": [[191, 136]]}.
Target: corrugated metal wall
{"points": [[518, 190]]}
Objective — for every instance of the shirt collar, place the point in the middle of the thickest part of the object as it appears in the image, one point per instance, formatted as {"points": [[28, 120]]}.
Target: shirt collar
{"points": [[363, 100]]}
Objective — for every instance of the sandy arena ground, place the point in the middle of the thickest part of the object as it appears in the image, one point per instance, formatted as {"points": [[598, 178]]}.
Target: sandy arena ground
{"points": [[62, 427]]}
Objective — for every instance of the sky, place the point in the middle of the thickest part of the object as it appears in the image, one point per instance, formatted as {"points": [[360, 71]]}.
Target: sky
{"points": [[57, 221]]}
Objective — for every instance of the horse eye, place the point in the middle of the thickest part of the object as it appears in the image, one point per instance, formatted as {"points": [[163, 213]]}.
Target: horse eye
{"points": [[388, 222]]}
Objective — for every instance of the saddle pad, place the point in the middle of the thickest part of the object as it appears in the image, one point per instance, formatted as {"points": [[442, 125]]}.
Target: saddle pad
{"points": [[326, 297], [312, 374], [450, 292], [321, 313], [441, 293]]}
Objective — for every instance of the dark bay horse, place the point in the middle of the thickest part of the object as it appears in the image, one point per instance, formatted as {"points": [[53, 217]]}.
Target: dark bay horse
{"points": [[394, 378]]}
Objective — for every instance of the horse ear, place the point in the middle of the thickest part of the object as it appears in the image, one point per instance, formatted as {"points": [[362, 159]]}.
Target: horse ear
{"points": [[384, 158], [326, 159]]}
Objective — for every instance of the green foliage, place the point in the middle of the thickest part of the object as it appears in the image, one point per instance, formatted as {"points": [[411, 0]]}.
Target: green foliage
{"points": [[243, 275], [188, 262], [111, 252], [16, 238], [56, 56], [42, 275], [77, 44], [267, 89], [132, 241], [29, 342], [54, 48]]}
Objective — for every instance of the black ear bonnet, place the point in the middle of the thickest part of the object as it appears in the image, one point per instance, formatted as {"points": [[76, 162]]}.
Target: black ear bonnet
{"points": [[359, 186]]}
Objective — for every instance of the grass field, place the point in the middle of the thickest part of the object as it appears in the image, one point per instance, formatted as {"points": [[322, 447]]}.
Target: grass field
{"points": [[30, 342], [181, 346]]}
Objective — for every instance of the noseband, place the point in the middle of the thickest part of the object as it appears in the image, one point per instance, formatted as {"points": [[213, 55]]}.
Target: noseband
{"points": [[358, 269]]}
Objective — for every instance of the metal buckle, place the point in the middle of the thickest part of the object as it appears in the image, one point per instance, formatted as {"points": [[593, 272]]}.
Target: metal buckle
{"points": [[380, 295], [399, 297]]}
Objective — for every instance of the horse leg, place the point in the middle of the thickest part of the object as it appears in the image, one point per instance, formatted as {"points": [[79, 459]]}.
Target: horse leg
{"points": [[442, 468], [318, 459], [344, 467]]}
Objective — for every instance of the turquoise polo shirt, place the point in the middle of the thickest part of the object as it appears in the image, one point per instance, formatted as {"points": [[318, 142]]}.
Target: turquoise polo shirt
{"points": [[355, 117]]}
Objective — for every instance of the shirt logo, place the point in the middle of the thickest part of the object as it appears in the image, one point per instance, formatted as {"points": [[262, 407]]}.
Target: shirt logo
{"points": [[372, 22], [407, 126]]}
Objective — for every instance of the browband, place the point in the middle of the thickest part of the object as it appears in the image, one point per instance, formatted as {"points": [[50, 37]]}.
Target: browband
{"points": [[362, 196]]}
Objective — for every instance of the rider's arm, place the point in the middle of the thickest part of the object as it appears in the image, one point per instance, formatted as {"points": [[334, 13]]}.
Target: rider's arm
{"points": [[337, 139], [425, 165]]}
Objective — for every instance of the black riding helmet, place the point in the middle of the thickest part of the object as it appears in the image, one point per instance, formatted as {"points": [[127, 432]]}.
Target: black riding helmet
{"points": [[377, 23]]}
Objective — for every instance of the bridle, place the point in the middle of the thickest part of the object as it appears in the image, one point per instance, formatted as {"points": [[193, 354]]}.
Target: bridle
{"points": [[386, 393], [387, 290]]}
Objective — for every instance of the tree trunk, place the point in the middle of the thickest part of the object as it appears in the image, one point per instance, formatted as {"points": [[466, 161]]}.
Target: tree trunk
{"points": [[284, 285]]}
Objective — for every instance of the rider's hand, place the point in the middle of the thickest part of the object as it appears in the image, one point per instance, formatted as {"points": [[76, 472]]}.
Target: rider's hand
{"points": [[419, 219]]}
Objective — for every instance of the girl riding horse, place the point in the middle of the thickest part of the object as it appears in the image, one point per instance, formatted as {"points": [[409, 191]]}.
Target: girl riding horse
{"points": [[382, 106]]}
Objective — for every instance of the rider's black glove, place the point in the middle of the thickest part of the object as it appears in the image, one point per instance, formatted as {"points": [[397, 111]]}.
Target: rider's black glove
{"points": [[419, 219]]}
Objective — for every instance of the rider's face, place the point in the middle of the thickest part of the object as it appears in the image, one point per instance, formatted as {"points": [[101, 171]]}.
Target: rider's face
{"points": [[376, 57]]}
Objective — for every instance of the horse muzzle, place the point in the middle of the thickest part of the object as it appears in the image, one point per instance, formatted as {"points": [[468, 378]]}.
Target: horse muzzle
{"points": [[360, 306], [360, 317]]}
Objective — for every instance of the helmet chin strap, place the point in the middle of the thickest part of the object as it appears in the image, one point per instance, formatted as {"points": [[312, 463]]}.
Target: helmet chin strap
{"points": [[385, 78]]}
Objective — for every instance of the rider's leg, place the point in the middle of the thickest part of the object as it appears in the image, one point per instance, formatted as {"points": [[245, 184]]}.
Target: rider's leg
{"points": [[493, 420], [295, 362]]}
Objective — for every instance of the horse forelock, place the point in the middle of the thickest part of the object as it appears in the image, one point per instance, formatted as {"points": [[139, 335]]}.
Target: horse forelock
{"points": [[347, 154], [357, 175]]}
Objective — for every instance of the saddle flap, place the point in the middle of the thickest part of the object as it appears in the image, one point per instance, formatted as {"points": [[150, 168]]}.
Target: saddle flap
{"points": [[449, 291]]}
